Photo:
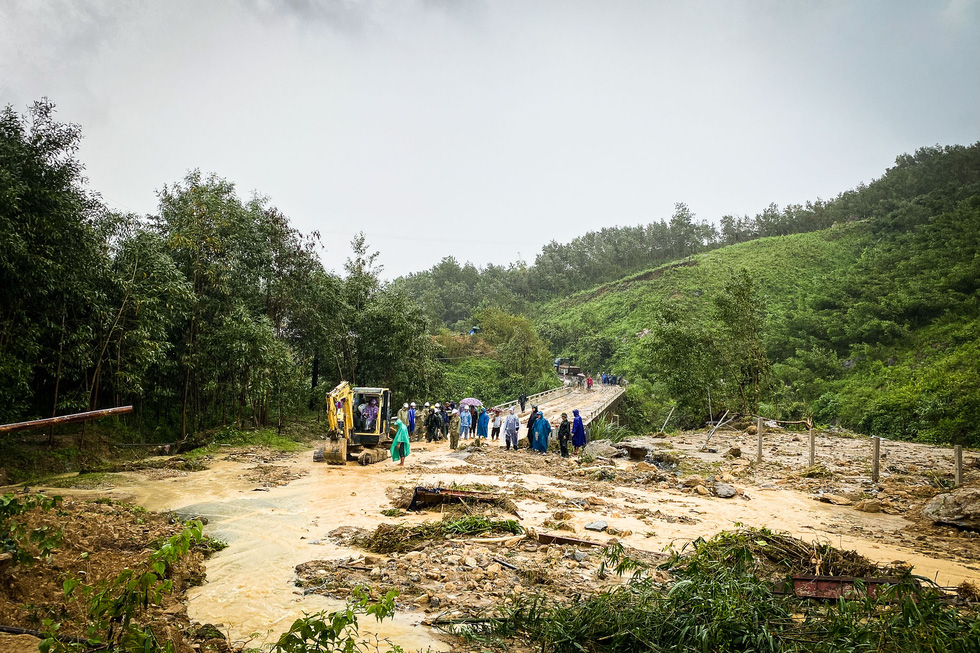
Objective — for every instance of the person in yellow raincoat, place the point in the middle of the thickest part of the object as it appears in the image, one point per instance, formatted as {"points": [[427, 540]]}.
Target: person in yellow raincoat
{"points": [[400, 446]]}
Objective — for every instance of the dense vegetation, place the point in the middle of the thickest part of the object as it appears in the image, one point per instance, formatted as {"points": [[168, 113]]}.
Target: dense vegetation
{"points": [[873, 323], [212, 311], [452, 294], [720, 600]]}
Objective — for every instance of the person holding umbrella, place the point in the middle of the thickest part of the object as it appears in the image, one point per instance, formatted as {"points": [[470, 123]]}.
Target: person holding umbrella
{"points": [[465, 422]]}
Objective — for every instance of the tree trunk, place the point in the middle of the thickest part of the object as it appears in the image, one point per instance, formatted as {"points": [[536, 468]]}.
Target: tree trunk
{"points": [[57, 379]]}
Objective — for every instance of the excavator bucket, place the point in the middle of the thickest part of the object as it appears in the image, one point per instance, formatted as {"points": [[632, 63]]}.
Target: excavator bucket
{"points": [[334, 452]]}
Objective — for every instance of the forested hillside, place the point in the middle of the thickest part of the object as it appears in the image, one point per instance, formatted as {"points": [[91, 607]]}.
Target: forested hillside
{"points": [[861, 310], [873, 323]]}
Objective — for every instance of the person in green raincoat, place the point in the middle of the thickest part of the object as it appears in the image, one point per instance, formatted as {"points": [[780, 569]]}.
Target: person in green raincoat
{"points": [[399, 446]]}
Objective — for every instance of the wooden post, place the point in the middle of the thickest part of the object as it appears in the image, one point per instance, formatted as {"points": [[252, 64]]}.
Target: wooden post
{"points": [[758, 451], [958, 458], [813, 448], [875, 458]]}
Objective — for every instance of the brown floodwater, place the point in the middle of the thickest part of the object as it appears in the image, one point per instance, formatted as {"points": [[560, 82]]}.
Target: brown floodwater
{"points": [[250, 585]]}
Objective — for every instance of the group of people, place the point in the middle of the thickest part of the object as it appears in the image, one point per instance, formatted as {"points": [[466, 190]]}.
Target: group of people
{"points": [[539, 431], [447, 421]]}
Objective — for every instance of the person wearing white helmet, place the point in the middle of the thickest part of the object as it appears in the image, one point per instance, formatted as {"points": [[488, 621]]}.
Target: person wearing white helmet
{"points": [[403, 415]]}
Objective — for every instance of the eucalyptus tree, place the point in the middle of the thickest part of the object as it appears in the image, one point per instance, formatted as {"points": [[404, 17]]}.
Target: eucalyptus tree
{"points": [[51, 260]]}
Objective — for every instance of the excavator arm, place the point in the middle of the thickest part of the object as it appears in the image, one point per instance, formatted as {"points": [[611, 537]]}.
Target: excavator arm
{"points": [[340, 401]]}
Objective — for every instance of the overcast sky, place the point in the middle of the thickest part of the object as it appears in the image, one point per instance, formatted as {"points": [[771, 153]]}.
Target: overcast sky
{"points": [[484, 129]]}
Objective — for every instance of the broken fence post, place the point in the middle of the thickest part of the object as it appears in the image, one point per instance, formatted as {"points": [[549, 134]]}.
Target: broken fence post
{"points": [[875, 458], [758, 451], [958, 458], [813, 448]]}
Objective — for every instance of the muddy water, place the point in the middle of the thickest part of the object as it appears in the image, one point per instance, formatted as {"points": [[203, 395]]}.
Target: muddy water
{"points": [[250, 584]]}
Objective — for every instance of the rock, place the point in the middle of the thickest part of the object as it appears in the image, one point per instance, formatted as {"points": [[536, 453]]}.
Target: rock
{"points": [[580, 556], [733, 452], [493, 568], [562, 515], [752, 430], [18, 643], [703, 491], [597, 526], [959, 508], [600, 448], [724, 490], [835, 499], [470, 562], [645, 467], [869, 505], [728, 478], [691, 481], [621, 532]]}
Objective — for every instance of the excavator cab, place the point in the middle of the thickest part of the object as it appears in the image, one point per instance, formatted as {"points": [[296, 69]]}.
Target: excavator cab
{"points": [[359, 420]]}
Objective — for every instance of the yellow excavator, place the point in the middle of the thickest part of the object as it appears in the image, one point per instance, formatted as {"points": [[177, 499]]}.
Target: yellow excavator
{"points": [[358, 420]]}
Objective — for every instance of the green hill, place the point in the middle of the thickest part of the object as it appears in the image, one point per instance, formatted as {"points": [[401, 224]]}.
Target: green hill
{"points": [[873, 324]]}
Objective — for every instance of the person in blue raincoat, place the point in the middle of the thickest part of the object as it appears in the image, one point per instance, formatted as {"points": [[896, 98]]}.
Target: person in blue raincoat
{"points": [[482, 423], [411, 420], [465, 422], [578, 431], [400, 446], [542, 429]]}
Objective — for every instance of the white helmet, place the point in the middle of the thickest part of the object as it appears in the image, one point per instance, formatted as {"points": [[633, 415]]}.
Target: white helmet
{"points": [[438, 405], [413, 404], [426, 405], [404, 405]]}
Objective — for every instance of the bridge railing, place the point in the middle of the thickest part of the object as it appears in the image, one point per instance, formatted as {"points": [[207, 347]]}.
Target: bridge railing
{"points": [[606, 405], [533, 399]]}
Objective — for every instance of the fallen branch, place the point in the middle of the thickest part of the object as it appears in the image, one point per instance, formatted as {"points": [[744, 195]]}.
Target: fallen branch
{"points": [[504, 563]]}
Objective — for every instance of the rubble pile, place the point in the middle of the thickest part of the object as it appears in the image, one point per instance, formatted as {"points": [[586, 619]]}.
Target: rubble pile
{"points": [[467, 578]]}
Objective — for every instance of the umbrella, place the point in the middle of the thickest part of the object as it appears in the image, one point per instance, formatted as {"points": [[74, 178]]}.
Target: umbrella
{"points": [[580, 374], [470, 401]]}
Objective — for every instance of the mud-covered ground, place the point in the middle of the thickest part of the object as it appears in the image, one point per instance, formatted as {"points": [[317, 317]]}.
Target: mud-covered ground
{"points": [[99, 539], [301, 543]]}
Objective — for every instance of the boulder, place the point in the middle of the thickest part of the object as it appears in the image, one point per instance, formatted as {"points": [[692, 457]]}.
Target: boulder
{"points": [[868, 505], [597, 526], [724, 490], [703, 491], [960, 508], [835, 499], [600, 449]]}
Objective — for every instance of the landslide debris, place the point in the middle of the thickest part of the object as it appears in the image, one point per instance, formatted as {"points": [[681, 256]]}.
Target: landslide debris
{"points": [[99, 540]]}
